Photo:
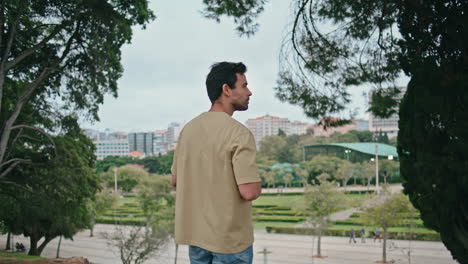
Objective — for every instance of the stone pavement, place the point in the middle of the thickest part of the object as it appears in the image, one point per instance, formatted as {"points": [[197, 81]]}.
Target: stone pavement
{"points": [[285, 249]]}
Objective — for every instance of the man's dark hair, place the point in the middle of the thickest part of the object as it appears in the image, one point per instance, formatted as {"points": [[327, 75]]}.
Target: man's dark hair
{"points": [[222, 73]]}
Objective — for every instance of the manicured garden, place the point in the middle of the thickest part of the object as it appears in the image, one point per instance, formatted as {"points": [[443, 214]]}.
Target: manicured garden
{"points": [[281, 213]]}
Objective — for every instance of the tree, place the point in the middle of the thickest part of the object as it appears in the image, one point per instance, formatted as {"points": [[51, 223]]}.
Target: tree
{"points": [[385, 214], [387, 168], [287, 178], [138, 243], [281, 148], [58, 51], [345, 172], [321, 201], [128, 177], [50, 198], [103, 201], [303, 174], [323, 164]]}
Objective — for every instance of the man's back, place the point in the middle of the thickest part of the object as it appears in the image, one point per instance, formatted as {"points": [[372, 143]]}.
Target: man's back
{"points": [[215, 154]]}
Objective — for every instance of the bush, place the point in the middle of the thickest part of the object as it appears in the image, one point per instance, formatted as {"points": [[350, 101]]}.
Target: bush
{"points": [[422, 236]]}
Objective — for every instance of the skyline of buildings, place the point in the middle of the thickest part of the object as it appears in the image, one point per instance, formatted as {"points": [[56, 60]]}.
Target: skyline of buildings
{"points": [[141, 144]]}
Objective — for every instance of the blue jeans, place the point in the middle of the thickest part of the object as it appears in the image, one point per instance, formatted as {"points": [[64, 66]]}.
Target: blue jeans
{"points": [[202, 256]]}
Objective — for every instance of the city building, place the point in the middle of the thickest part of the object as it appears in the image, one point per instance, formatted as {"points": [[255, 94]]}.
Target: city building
{"points": [[389, 125], [271, 125], [172, 136], [160, 145], [267, 126], [142, 142], [111, 147]]}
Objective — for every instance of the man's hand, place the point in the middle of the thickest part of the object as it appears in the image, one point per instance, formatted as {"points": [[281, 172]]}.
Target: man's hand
{"points": [[250, 191], [174, 180]]}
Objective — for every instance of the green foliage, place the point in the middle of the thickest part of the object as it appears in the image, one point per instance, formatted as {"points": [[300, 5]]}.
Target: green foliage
{"points": [[128, 176], [244, 13], [58, 57], [158, 165], [422, 236], [54, 199], [321, 201]]}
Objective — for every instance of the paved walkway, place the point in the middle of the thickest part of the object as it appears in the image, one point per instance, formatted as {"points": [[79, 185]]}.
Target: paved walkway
{"points": [[286, 249]]}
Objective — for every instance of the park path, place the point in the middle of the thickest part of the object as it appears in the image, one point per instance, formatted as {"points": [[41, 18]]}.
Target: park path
{"points": [[285, 249]]}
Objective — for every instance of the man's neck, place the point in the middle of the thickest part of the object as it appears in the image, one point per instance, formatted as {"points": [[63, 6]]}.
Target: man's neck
{"points": [[219, 107]]}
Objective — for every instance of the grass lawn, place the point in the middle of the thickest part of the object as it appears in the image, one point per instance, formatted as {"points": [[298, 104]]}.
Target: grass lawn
{"points": [[293, 201], [9, 255]]}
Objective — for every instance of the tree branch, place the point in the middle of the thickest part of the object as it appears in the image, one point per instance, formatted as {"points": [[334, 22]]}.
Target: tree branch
{"points": [[34, 128], [39, 45], [13, 165]]}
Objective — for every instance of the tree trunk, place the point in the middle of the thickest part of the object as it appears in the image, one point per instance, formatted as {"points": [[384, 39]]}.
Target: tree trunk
{"points": [[319, 250], [8, 243], [384, 250], [91, 229], [33, 246], [34, 250], [58, 247]]}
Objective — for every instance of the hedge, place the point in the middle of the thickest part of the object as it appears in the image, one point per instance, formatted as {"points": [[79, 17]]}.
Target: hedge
{"points": [[358, 221], [291, 219], [359, 192], [120, 221], [286, 213], [279, 208], [422, 236], [263, 206], [283, 194]]}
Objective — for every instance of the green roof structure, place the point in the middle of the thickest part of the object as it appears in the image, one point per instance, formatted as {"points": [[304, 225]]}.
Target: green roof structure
{"points": [[354, 152]]}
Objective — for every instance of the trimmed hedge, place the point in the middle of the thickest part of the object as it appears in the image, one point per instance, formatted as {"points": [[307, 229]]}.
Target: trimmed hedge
{"points": [[283, 194], [120, 221], [286, 213], [279, 208], [291, 219], [263, 206], [359, 222], [423, 236], [359, 192]]}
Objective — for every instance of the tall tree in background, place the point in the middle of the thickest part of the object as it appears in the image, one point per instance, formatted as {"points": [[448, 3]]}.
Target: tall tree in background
{"points": [[433, 138], [58, 57], [338, 44]]}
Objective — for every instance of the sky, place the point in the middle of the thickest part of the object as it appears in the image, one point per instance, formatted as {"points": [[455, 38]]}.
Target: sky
{"points": [[166, 64]]}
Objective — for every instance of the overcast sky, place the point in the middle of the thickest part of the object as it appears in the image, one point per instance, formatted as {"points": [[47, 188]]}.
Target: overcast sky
{"points": [[166, 64]]}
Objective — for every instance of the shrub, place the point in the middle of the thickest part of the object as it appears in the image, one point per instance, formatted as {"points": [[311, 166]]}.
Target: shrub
{"points": [[423, 236]]}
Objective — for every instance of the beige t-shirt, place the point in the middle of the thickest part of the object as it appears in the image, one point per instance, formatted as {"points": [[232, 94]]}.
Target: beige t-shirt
{"points": [[214, 154]]}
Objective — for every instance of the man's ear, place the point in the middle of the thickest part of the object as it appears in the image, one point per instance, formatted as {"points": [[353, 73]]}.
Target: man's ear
{"points": [[226, 90]]}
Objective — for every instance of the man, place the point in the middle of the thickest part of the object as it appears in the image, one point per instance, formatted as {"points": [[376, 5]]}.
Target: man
{"points": [[215, 173]]}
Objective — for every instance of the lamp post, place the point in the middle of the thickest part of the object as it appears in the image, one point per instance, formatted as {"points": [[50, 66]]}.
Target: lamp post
{"points": [[115, 179], [377, 168], [347, 151]]}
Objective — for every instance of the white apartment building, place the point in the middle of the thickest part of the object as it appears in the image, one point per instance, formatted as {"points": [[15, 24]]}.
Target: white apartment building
{"points": [[386, 125], [270, 125], [112, 147], [160, 142], [297, 128]]}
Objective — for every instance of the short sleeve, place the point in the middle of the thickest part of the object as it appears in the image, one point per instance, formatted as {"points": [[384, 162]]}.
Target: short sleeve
{"points": [[244, 159]]}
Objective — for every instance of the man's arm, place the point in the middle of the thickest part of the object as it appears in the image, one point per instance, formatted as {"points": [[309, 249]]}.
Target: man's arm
{"points": [[174, 180], [250, 191]]}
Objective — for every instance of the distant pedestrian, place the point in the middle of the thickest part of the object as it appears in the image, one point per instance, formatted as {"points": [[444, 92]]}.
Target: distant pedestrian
{"points": [[377, 235], [352, 235], [363, 235]]}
